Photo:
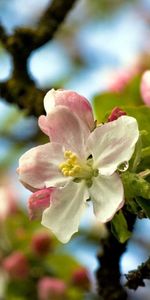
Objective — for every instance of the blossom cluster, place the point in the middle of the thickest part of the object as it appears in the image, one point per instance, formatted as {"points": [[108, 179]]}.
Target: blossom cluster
{"points": [[80, 163]]}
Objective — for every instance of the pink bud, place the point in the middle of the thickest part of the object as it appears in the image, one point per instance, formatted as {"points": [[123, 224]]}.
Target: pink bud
{"points": [[38, 202], [41, 243], [80, 278], [115, 114], [16, 265], [145, 87], [51, 288]]}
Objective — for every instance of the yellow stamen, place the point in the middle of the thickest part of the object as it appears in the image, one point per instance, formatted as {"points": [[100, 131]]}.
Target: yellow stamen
{"points": [[71, 173], [66, 173], [62, 165], [74, 167], [67, 154]]}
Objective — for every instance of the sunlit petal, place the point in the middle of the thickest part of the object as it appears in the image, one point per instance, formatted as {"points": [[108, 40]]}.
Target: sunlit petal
{"points": [[38, 167], [113, 143], [107, 196], [65, 211]]}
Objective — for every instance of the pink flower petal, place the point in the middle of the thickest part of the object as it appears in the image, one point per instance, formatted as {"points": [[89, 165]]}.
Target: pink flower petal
{"points": [[38, 202], [73, 101], [44, 124], [145, 87], [39, 165], [67, 129]]}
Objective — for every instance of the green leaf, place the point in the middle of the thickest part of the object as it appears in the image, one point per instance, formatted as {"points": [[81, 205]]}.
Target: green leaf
{"points": [[75, 294], [104, 103], [135, 185], [119, 227], [63, 265], [129, 97], [145, 152], [145, 204], [142, 114], [136, 158]]}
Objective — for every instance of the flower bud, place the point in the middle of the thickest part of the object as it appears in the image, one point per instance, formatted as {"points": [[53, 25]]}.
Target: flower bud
{"points": [[16, 265], [145, 87], [41, 243], [80, 278], [115, 114], [51, 288], [38, 202]]}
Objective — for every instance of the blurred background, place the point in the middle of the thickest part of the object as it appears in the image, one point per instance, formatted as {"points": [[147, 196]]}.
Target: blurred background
{"points": [[97, 41]]}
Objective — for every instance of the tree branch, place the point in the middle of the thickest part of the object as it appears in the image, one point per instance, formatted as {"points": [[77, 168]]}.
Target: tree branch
{"points": [[21, 89], [108, 273], [135, 278]]}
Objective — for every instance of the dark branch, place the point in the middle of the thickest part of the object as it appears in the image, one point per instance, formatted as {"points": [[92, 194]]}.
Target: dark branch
{"points": [[21, 89], [108, 274], [136, 278]]}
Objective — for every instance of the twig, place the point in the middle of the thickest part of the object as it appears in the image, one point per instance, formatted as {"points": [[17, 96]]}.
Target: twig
{"points": [[135, 278]]}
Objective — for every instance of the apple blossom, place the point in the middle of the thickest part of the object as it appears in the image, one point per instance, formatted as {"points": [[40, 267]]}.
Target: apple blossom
{"points": [[81, 165], [145, 87], [51, 288], [121, 78], [16, 265]]}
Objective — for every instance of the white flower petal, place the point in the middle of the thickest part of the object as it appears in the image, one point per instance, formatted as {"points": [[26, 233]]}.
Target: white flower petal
{"points": [[107, 196], [113, 143], [38, 167], [65, 211]]}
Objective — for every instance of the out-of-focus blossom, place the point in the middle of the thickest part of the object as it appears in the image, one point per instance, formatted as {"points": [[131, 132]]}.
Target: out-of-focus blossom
{"points": [[76, 103], [115, 114], [8, 202], [51, 288], [16, 265], [120, 79], [145, 87], [80, 164], [80, 278], [41, 243]]}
